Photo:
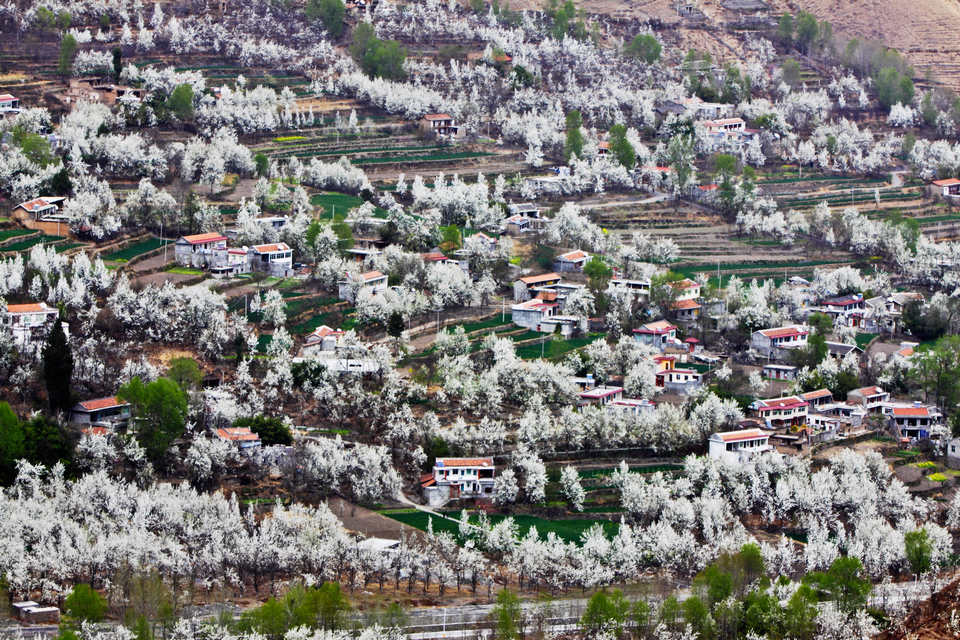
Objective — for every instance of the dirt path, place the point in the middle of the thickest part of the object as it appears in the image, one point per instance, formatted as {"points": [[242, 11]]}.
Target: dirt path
{"points": [[153, 262], [162, 277], [370, 523]]}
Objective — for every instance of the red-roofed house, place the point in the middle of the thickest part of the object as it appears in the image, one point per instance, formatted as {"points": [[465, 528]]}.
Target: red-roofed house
{"points": [[817, 398], [522, 287], [571, 262], [915, 421], [949, 188], [739, 446], [659, 334], [532, 313], [687, 289], [686, 310], [870, 398], [440, 124], [846, 310], [724, 125], [29, 323], [322, 339], [459, 478], [771, 343], [600, 396], [41, 207], [110, 413], [8, 102], [275, 259], [201, 250], [782, 412], [435, 256], [241, 437]]}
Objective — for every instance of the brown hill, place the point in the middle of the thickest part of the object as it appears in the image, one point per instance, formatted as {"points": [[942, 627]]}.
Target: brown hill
{"points": [[924, 30], [935, 619]]}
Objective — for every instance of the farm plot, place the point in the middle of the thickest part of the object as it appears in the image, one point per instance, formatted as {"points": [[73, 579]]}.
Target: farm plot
{"points": [[138, 248], [29, 243], [9, 234], [568, 530], [338, 204]]}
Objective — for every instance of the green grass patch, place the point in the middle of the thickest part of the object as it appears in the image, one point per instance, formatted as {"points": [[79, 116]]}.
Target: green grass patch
{"points": [[606, 471], [567, 530], [489, 323], [555, 348], [23, 245], [937, 477], [319, 153], [136, 249], [66, 246], [863, 339], [185, 271], [906, 453], [691, 270], [289, 138], [926, 464], [431, 157], [339, 204], [6, 234]]}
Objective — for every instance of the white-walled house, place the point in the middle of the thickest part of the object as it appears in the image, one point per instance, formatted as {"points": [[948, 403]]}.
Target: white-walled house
{"points": [[372, 281], [739, 446], [571, 262], [782, 412], [779, 371], [454, 478], [241, 437], [9, 102], [275, 259], [600, 396], [323, 339], [679, 380], [870, 398], [916, 421], [440, 124], [42, 208], [201, 250], [776, 341], [110, 412], [659, 335], [533, 313], [635, 406], [29, 323]]}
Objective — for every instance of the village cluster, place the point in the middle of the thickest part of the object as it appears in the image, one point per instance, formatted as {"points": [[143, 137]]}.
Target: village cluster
{"points": [[462, 304]]}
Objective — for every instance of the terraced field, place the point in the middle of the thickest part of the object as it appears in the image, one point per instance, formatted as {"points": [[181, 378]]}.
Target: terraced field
{"points": [[136, 249]]}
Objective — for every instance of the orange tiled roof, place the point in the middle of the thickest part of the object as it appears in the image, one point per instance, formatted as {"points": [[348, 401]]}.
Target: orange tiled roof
{"points": [[684, 305], [543, 277], [204, 238], [30, 307], [746, 434], [573, 256], [270, 248], [464, 462], [911, 412], [102, 403], [237, 434]]}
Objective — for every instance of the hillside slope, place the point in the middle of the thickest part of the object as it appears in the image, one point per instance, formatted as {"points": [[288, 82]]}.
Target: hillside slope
{"points": [[924, 30], [935, 619]]}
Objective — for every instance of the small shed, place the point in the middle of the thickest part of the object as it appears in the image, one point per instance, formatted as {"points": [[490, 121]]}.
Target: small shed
{"points": [[20, 607], [40, 615]]}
